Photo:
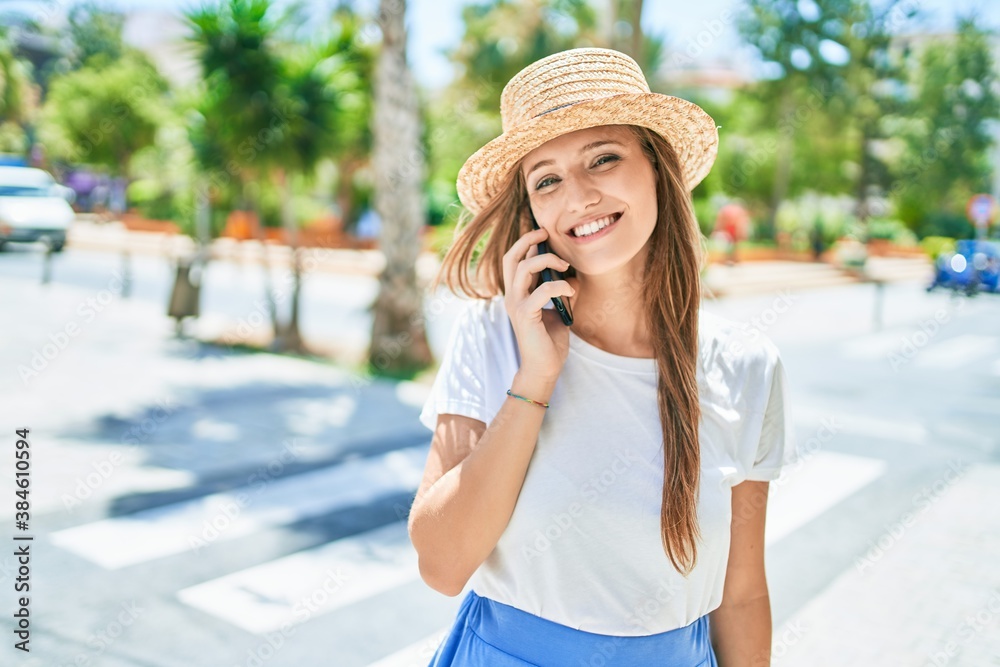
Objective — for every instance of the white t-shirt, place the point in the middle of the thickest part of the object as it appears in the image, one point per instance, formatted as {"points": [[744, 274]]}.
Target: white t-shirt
{"points": [[582, 547]]}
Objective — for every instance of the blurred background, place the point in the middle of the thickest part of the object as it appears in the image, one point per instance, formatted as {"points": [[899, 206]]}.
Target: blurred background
{"points": [[218, 223]]}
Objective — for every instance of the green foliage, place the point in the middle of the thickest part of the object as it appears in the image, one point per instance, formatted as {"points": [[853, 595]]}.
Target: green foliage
{"points": [[95, 32], [152, 200], [945, 223], [501, 37], [13, 139], [705, 211], [441, 238], [889, 229], [957, 95], [102, 115], [832, 214], [14, 79], [270, 106], [790, 41], [936, 245]]}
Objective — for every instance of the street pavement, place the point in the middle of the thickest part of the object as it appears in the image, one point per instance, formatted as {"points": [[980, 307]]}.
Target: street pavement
{"points": [[193, 504]]}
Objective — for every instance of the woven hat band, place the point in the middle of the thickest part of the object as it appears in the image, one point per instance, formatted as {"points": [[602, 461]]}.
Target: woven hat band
{"points": [[556, 82]]}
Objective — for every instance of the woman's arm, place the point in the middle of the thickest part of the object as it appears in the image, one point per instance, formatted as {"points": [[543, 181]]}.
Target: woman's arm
{"points": [[741, 626], [471, 485]]}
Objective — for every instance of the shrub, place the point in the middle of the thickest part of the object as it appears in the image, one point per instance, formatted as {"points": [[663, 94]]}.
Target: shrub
{"points": [[934, 246]]}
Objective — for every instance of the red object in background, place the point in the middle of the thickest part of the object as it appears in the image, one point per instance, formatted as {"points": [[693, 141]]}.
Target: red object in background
{"points": [[734, 220]]}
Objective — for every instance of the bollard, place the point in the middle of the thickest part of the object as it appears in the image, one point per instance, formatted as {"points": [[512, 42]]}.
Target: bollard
{"points": [[47, 263], [879, 298], [184, 297], [126, 274]]}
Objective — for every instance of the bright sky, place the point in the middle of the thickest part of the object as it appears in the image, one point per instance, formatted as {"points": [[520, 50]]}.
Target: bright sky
{"points": [[436, 24]]}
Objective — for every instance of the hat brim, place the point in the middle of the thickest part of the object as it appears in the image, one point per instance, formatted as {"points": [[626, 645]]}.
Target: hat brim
{"points": [[686, 126]]}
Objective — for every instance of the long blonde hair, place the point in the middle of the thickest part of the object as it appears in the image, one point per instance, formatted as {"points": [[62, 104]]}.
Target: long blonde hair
{"points": [[672, 294]]}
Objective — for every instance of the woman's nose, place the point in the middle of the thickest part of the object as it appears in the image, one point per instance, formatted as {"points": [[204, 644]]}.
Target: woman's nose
{"points": [[581, 193]]}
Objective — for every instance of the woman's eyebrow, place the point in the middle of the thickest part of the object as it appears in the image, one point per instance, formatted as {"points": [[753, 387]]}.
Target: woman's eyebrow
{"points": [[590, 146]]}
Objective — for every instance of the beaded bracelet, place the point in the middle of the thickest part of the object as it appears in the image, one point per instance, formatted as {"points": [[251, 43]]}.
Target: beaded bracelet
{"points": [[544, 405]]}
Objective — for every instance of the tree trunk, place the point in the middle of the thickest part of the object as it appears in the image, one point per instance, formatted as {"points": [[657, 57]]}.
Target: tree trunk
{"points": [[637, 41], [629, 11], [345, 190], [399, 340], [288, 338], [783, 161], [272, 307], [864, 173]]}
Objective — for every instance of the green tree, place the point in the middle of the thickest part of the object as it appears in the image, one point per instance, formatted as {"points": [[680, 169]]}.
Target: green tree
{"points": [[95, 32], [501, 37], [237, 114], [102, 115], [799, 43], [268, 116], [871, 93], [14, 98], [948, 139]]}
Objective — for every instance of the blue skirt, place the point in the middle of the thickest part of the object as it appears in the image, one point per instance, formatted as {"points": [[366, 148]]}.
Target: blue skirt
{"points": [[487, 633]]}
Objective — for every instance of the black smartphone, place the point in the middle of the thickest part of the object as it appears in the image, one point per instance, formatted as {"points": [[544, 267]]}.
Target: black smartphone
{"points": [[548, 274]]}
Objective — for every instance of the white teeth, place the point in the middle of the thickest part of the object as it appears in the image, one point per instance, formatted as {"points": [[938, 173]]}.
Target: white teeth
{"points": [[593, 227]]}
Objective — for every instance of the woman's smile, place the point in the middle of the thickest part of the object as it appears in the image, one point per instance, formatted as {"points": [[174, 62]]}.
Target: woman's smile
{"points": [[604, 231]]}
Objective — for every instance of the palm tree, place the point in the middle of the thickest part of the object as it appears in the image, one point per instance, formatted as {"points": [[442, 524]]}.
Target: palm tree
{"points": [[275, 116], [320, 94], [239, 73], [399, 339]]}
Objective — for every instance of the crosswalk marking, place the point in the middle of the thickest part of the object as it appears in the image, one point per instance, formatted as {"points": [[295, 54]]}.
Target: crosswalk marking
{"points": [[958, 351], [808, 488], [171, 529], [309, 583], [948, 353], [873, 346], [858, 424]]}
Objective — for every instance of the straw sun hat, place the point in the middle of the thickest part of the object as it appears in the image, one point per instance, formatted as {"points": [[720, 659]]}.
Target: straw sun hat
{"points": [[576, 89]]}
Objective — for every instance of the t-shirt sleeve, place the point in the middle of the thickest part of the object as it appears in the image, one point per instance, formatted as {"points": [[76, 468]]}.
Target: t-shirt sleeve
{"points": [[775, 447], [459, 387]]}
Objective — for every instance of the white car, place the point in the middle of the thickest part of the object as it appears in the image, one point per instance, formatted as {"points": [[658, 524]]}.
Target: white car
{"points": [[33, 207]]}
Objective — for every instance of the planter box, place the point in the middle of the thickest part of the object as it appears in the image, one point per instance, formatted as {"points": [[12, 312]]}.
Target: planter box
{"points": [[276, 235], [906, 251], [878, 247], [768, 254], [137, 223], [241, 225]]}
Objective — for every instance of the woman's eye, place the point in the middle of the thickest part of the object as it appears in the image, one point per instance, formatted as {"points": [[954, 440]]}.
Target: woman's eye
{"points": [[604, 159]]}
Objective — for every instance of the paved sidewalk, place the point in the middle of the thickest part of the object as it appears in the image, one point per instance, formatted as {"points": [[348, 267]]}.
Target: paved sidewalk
{"points": [[926, 594]]}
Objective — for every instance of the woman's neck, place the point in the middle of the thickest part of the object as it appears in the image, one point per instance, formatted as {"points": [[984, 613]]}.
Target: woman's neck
{"points": [[608, 313]]}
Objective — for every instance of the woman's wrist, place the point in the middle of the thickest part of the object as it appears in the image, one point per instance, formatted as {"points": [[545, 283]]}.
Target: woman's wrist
{"points": [[530, 386]]}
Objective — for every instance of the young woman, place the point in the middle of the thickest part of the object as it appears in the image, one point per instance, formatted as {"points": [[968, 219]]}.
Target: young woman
{"points": [[600, 487]]}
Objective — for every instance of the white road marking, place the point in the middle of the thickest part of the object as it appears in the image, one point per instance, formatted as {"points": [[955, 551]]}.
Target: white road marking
{"points": [[872, 346], [296, 588], [171, 529], [813, 485], [896, 430], [958, 351]]}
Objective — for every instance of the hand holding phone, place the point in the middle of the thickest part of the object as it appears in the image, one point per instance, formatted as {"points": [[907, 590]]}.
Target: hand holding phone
{"points": [[542, 336], [560, 302]]}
